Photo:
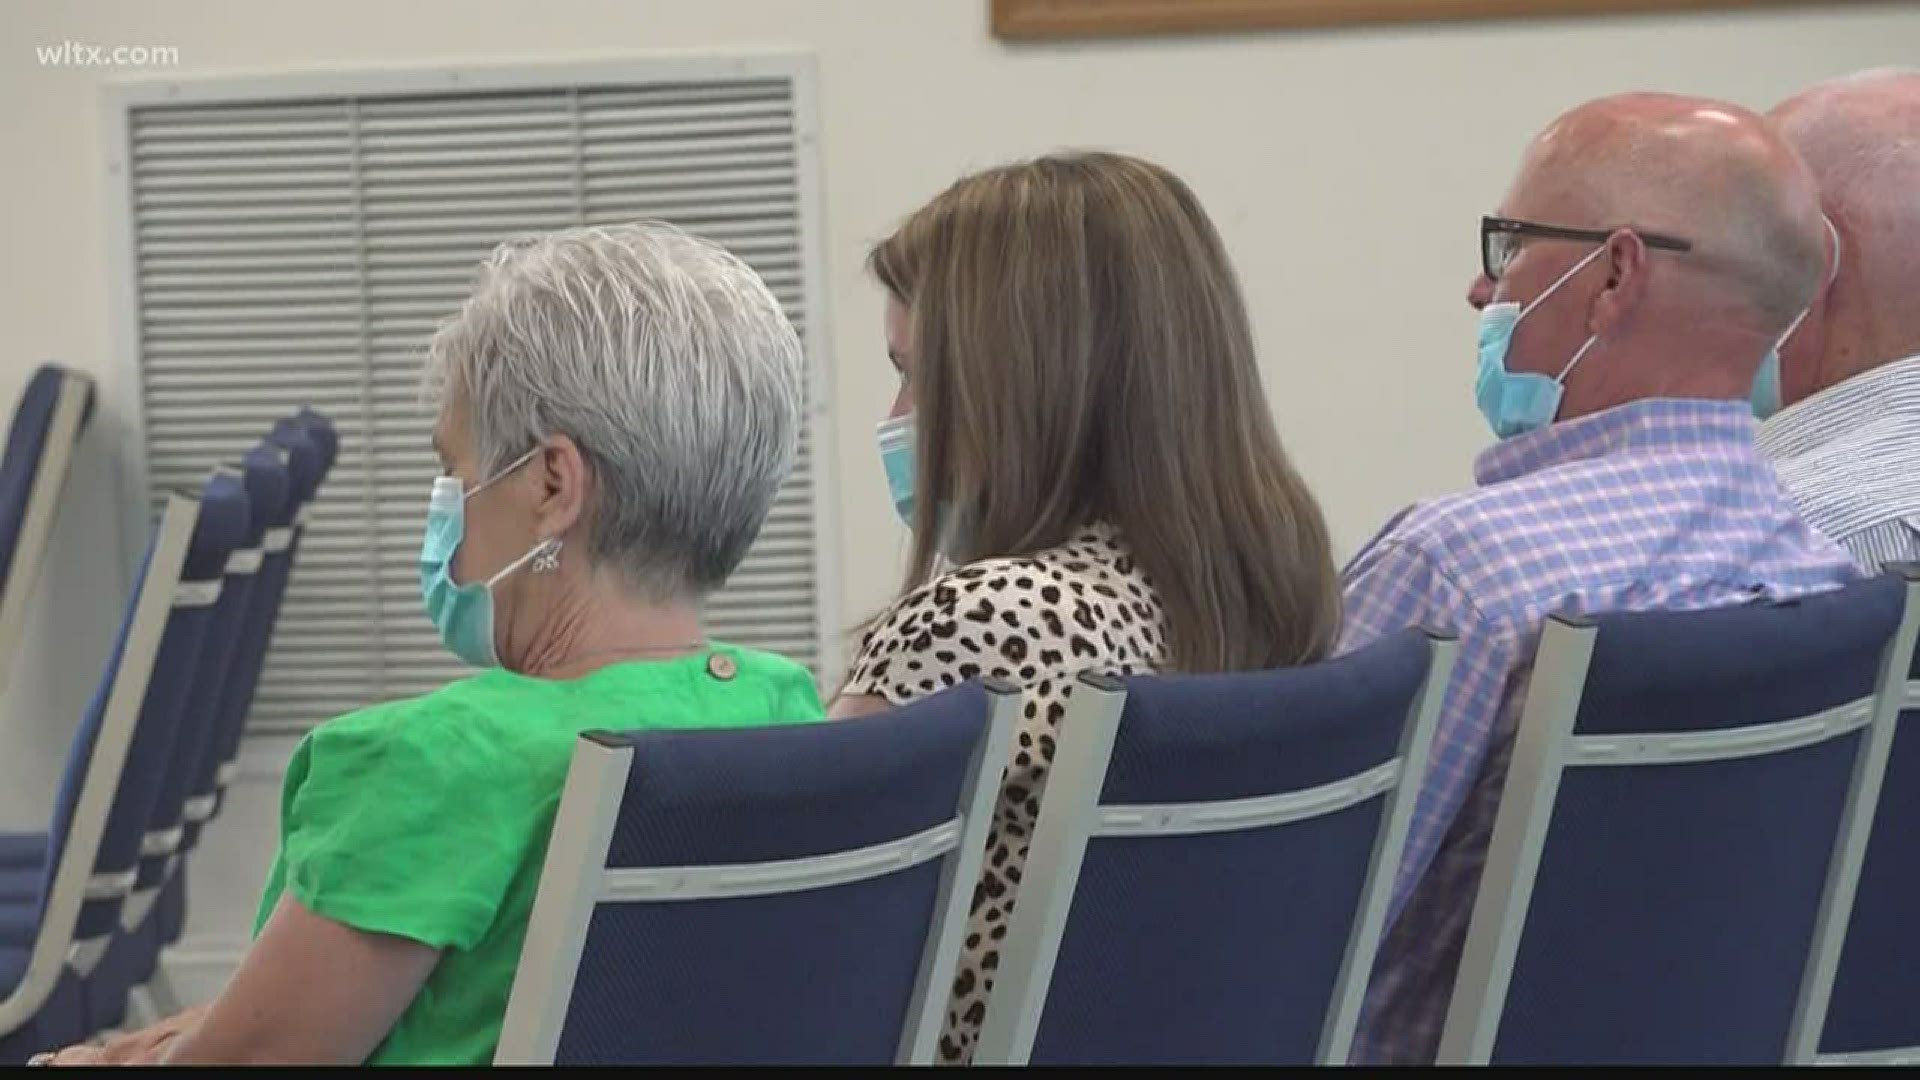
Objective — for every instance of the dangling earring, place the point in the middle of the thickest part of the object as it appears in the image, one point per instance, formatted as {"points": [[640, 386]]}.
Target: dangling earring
{"points": [[549, 559]]}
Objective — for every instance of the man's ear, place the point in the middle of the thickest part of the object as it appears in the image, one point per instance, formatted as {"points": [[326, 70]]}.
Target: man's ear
{"points": [[1626, 264]]}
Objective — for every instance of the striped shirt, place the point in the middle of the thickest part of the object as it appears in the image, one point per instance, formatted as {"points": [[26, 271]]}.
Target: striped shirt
{"points": [[1850, 457], [1655, 505]]}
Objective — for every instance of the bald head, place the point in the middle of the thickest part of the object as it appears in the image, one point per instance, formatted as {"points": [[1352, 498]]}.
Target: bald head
{"points": [[1707, 171], [1860, 136]]}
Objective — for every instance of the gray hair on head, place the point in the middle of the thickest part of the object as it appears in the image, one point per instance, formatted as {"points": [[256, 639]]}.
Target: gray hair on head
{"points": [[1860, 134], [665, 358]]}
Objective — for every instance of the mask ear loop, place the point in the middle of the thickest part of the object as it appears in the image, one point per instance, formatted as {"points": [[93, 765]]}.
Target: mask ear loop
{"points": [[545, 555], [1568, 370], [502, 474], [1785, 335], [1832, 273], [1833, 231], [1561, 280]]}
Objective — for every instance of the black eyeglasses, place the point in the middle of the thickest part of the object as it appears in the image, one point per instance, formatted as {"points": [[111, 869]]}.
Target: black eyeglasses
{"points": [[1500, 240]]}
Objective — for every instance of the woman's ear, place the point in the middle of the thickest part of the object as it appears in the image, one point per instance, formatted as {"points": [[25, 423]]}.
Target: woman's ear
{"points": [[561, 473], [1626, 263]]}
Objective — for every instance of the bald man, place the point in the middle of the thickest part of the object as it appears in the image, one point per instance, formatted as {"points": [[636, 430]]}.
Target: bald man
{"points": [[1848, 448], [1651, 251]]}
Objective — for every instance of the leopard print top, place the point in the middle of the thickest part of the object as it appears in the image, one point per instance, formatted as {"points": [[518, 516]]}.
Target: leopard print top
{"points": [[1038, 621]]}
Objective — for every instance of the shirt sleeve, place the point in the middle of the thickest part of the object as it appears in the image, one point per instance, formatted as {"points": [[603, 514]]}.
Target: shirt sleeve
{"points": [[1007, 618], [411, 826], [1395, 586], [898, 653]]}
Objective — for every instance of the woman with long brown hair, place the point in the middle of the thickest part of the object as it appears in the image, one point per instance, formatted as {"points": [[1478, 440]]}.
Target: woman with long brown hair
{"points": [[1084, 452]]}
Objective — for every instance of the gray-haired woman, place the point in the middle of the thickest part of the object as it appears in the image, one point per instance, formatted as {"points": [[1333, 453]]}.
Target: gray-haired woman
{"points": [[617, 407]]}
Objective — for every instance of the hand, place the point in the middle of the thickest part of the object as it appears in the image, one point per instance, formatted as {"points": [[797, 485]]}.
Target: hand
{"points": [[144, 1047], [148, 1046], [81, 1054]]}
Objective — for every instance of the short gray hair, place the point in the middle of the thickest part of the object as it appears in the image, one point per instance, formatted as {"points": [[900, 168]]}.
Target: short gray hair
{"points": [[665, 358], [1860, 135]]}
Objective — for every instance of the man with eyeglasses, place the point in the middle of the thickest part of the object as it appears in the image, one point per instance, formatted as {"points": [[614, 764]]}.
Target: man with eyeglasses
{"points": [[1651, 252], [1848, 445]]}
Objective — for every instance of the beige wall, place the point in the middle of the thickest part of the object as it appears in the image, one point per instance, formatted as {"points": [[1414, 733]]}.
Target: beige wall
{"points": [[1345, 168]]}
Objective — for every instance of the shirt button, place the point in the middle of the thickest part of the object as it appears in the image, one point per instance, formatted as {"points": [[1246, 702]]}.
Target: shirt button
{"points": [[721, 666]]}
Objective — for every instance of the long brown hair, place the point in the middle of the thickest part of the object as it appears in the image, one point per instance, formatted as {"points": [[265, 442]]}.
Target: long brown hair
{"points": [[1081, 354]]}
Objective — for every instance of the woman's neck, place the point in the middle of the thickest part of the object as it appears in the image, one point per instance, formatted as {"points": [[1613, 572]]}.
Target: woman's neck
{"points": [[604, 623]]}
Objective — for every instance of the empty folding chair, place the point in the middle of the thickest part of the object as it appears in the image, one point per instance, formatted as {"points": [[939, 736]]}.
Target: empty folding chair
{"points": [[307, 464], [1209, 875], [792, 894], [1682, 827], [130, 959], [303, 461], [219, 528], [47, 424], [1874, 1015], [46, 427], [105, 796]]}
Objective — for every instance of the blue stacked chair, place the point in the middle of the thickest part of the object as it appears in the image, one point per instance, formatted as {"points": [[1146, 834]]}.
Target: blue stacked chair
{"points": [[791, 894], [262, 482], [307, 462], [182, 649], [1211, 869], [306, 466], [187, 732], [321, 430], [52, 942], [1672, 864], [47, 425], [1874, 1015]]}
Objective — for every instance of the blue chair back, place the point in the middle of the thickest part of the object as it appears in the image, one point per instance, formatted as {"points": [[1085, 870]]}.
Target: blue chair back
{"points": [[119, 749], [791, 894], [1235, 855], [305, 462], [307, 457], [290, 464], [225, 544], [36, 429], [219, 527], [1872, 1017], [267, 481], [321, 430], [1669, 869], [47, 424]]}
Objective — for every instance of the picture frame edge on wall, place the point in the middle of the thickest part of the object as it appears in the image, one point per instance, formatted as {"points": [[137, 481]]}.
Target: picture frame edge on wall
{"points": [[1043, 20]]}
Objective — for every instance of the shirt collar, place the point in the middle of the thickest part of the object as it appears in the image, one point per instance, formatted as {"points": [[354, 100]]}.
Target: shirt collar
{"points": [[1667, 424], [1873, 395]]}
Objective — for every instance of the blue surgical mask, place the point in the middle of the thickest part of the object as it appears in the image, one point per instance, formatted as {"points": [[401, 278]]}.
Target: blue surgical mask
{"points": [[896, 438], [1766, 382], [463, 614], [1516, 402]]}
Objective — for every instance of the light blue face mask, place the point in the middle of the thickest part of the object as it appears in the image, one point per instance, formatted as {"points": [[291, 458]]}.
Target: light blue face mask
{"points": [[1516, 402], [463, 614], [1766, 398], [1766, 381], [896, 438]]}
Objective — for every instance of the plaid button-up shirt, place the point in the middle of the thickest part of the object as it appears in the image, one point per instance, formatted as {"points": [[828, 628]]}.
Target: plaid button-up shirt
{"points": [[1656, 505]]}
